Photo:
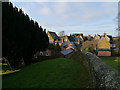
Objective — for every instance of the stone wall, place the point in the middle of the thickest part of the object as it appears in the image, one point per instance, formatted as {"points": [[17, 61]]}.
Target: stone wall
{"points": [[105, 74]]}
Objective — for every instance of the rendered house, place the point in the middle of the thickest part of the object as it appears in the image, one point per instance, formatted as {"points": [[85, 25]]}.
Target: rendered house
{"points": [[110, 39], [68, 39], [103, 47], [97, 37], [52, 37]]}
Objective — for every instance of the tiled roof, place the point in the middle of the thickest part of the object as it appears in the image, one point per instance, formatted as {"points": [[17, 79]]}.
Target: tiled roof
{"points": [[66, 52], [54, 35]]}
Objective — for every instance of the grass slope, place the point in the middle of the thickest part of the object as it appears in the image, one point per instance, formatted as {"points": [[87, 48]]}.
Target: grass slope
{"points": [[55, 73], [112, 61]]}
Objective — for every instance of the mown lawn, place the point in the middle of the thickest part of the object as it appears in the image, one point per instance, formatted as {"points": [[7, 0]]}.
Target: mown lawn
{"points": [[112, 61], [55, 73]]}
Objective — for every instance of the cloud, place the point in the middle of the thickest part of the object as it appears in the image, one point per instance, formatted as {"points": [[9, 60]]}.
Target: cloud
{"points": [[45, 11], [73, 16]]}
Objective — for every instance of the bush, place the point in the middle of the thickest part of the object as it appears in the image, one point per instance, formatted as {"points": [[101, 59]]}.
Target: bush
{"points": [[115, 53]]}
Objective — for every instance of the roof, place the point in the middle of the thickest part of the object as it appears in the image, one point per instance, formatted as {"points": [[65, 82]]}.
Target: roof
{"points": [[71, 38], [64, 43], [73, 45], [102, 38], [58, 41], [66, 52], [54, 35], [51, 46], [78, 38]]}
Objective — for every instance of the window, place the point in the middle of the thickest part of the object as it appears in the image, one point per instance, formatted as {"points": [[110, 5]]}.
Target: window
{"points": [[47, 53], [41, 53]]}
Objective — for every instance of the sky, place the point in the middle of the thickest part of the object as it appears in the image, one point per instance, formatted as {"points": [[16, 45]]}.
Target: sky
{"points": [[73, 17]]}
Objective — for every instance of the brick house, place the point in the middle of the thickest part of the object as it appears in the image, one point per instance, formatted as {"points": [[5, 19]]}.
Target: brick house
{"points": [[103, 47], [49, 51]]}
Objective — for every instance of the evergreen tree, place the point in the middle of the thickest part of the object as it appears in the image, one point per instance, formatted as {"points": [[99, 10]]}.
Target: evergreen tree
{"points": [[57, 48], [22, 37]]}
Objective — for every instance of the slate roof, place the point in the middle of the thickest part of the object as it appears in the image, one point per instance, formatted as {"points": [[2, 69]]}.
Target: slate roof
{"points": [[54, 35], [71, 38], [73, 44], [58, 41], [78, 38], [51, 46], [65, 43], [66, 52]]}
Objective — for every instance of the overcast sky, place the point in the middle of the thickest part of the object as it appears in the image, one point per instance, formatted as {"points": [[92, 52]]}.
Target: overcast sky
{"points": [[73, 17]]}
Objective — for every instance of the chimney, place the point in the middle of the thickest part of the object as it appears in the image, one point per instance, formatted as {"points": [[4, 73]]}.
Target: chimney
{"points": [[105, 34], [62, 40]]}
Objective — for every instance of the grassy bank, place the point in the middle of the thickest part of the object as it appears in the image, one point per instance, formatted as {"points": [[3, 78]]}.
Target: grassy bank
{"points": [[112, 61], [54, 73]]}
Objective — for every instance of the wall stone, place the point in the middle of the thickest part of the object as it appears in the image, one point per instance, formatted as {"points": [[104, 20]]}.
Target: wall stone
{"points": [[105, 74]]}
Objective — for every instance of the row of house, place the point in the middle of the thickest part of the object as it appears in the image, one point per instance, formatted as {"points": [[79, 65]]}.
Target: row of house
{"points": [[69, 44]]}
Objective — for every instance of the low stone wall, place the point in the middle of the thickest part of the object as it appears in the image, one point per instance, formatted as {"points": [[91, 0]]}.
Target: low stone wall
{"points": [[105, 74]]}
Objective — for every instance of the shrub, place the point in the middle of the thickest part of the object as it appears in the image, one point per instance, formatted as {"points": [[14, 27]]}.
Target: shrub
{"points": [[115, 53]]}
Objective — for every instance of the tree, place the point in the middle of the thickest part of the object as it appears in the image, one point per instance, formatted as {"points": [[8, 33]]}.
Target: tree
{"points": [[57, 48], [89, 46], [22, 37]]}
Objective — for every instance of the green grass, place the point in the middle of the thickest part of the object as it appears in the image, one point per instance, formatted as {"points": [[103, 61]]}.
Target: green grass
{"points": [[112, 61], [54, 73]]}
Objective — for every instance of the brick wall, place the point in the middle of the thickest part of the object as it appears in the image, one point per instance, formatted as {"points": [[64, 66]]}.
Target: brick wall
{"points": [[104, 53]]}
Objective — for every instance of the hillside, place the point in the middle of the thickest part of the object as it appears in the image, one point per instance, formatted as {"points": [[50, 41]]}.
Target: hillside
{"points": [[54, 73]]}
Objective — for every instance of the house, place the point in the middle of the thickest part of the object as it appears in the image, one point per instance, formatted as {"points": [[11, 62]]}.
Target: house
{"points": [[105, 35], [89, 37], [49, 51], [68, 45], [59, 42], [68, 39], [64, 45], [52, 37], [78, 40], [78, 36], [97, 37], [103, 47]]}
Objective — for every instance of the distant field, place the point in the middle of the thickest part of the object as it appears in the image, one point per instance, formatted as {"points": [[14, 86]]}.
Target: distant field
{"points": [[112, 61], [54, 73]]}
